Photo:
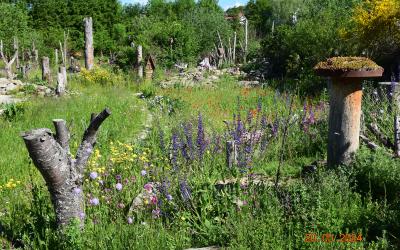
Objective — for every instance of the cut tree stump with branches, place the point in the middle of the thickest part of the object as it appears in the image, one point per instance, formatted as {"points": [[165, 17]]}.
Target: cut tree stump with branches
{"points": [[63, 173], [8, 63]]}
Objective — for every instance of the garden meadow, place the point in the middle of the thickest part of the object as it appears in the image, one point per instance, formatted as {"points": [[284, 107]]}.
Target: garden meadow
{"points": [[180, 125]]}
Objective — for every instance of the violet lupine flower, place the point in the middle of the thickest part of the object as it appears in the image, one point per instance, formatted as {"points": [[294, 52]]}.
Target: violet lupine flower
{"points": [[201, 143], [77, 190], [93, 175], [143, 172], [311, 119], [275, 128], [259, 105], [130, 220], [118, 186], [185, 191], [94, 201], [184, 148], [187, 129], [175, 148], [239, 131], [249, 118], [162, 142], [217, 144], [156, 213]]}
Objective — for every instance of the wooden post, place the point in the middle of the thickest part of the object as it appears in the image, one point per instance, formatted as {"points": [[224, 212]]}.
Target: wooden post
{"points": [[63, 71], [60, 83], [397, 135], [140, 61], [89, 57], [234, 49], [56, 56], [246, 41], [231, 154], [46, 73]]}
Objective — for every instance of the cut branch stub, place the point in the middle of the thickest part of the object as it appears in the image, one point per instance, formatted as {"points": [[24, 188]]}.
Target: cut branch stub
{"points": [[345, 103], [63, 175]]}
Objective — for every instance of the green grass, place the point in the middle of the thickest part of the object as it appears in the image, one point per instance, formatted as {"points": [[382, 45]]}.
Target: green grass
{"points": [[233, 217]]}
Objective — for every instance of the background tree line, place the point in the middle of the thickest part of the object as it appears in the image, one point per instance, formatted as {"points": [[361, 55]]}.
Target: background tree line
{"points": [[292, 35]]}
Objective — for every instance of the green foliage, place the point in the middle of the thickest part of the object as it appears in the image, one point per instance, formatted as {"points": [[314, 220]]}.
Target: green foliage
{"points": [[13, 111]]}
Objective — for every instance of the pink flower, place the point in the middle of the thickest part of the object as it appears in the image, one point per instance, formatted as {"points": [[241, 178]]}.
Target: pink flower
{"points": [[130, 220], [153, 199], [94, 201], [149, 187], [118, 186]]}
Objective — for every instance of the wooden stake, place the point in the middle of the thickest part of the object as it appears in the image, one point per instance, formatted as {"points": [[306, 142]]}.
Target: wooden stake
{"points": [[89, 57]]}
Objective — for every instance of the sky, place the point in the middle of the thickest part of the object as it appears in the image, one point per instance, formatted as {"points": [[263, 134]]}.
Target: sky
{"points": [[225, 4]]}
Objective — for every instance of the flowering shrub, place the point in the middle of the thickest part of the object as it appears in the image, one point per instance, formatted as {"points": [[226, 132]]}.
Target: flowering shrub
{"points": [[100, 75]]}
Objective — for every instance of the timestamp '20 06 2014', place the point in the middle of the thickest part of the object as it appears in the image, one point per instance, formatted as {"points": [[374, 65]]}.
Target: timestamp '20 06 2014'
{"points": [[329, 237]]}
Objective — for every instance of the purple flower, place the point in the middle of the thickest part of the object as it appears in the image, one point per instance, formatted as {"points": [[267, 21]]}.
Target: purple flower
{"points": [[94, 201], [130, 220], [118, 186], [156, 213], [175, 148], [77, 190], [93, 175], [185, 191], [143, 172], [169, 197], [201, 143], [82, 215], [118, 177], [187, 129], [121, 205]]}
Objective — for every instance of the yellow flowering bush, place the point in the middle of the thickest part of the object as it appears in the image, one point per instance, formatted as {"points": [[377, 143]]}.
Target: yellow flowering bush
{"points": [[377, 24], [100, 75], [11, 184]]}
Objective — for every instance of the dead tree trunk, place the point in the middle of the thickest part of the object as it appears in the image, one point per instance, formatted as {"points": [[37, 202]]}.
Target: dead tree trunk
{"points": [[8, 64], [89, 57], [16, 52], [63, 174], [140, 61], [46, 73], [397, 135], [56, 57], [60, 82]]}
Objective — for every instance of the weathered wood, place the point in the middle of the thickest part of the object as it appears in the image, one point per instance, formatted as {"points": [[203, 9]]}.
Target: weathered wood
{"points": [[140, 61], [62, 173], [16, 49], [56, 57], [8, 64], [234, 49], [60, 90], [380, 136], [231, 154], [397, 135], [370, 144], [46, 73], [89, 50], [344, 120]]}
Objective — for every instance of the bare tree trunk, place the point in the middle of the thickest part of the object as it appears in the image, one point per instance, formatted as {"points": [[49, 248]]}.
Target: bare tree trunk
{"points": [[56, 56], [46, 73], [234, 49], [16, 49], [63, 71], [89, 57], [231, 154], [63, 174], [140, 61], [8, 64], [66, 35], [60, 83]]}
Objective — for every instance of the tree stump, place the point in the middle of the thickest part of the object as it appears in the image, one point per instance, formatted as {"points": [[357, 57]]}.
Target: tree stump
{"points": [[89, 51], [46, 73], [63, 174], [61, 82], [345, 103]]}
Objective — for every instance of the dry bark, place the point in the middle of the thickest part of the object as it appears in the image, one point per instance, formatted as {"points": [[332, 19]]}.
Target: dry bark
{"points": [[63, 173], [46, 73], [140, 61], [89, 57]]}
